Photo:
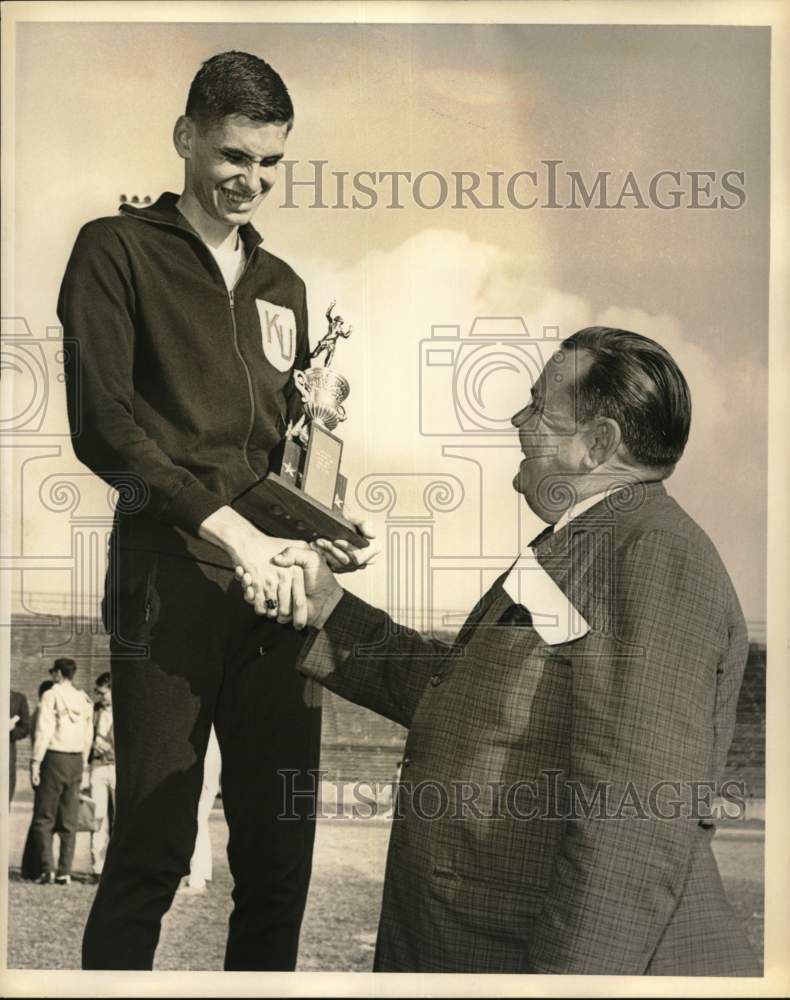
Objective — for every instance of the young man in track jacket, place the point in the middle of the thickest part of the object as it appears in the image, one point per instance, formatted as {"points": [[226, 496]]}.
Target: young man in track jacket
{"points": [[189, 333]]}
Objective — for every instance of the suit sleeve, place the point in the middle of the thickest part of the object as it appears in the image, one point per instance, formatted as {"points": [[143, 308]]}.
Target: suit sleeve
{"points": [[96, 307], [642, 734], [364, 656], [22, 728]]}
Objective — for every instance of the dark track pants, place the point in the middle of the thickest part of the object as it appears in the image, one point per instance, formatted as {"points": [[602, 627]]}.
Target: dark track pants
{"points": [[57, 801], [31, 856], [209, 658]]}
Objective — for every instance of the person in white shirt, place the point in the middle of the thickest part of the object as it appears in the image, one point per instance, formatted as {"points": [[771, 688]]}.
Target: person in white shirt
{"points": [[201, 867], [102, 765], [64, 734]]}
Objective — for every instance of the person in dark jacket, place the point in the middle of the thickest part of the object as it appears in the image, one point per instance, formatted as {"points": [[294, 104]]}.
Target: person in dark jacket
{"points": [[189, 333], [31, 855], [18, 729]]}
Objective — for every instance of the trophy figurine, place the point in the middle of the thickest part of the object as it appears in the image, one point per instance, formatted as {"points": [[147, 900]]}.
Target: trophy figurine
{"points": [[305, 498]]}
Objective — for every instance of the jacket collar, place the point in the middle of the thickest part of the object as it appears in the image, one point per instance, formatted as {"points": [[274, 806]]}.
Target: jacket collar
{"points": [[164, 212], [571, 571], [604, 512]]}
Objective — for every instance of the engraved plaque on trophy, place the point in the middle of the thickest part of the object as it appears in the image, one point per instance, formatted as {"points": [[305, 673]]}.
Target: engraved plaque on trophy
{"points": [[304, 496]]}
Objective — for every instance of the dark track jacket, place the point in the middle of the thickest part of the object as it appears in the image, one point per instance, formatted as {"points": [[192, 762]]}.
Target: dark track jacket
{"points": [[179, 389]]}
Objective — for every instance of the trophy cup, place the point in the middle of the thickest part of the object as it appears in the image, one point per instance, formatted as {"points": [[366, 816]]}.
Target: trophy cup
{"points": [[305, 498]]}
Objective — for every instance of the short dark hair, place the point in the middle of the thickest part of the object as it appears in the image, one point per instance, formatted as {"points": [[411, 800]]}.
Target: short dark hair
{"points": [[636, 382], [45, 686], [104, 680], [67, 667], [237, 83]]}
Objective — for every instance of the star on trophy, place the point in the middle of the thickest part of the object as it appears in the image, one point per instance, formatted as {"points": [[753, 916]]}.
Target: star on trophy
{"points": [[305, 498]]}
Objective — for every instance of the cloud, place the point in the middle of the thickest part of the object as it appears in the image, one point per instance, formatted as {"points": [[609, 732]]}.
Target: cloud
{"points": [[394, 297], [482, 88]]}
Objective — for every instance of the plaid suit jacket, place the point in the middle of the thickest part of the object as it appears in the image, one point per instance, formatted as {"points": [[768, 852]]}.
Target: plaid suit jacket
{"points": [[550, 798]]}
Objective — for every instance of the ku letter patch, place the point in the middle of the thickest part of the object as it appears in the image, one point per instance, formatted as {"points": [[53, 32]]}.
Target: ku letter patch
{"points": [[278, 334]]}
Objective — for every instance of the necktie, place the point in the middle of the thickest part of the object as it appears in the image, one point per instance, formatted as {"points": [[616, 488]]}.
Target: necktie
{"points": [[517, 615]]}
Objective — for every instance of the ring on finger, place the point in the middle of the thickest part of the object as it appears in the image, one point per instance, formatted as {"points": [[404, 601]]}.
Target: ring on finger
{"points": [[271, 603]]}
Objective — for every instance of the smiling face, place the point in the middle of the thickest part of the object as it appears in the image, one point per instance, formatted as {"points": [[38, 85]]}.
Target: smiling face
{"points": [[554, 447], [230, 168]]}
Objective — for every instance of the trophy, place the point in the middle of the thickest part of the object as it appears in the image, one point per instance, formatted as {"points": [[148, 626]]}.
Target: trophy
{"points": [[304, 498]]}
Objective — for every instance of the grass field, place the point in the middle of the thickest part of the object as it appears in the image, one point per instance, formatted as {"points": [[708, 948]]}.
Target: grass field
{"points": [[339, 928], [45, 925], [338, 933]]}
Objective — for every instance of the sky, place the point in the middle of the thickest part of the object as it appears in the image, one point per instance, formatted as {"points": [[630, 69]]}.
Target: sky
{"points": [[96, 104]]}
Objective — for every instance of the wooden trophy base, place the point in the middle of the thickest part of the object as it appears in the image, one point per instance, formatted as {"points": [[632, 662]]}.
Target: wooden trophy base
{"points": [[281, 509]]}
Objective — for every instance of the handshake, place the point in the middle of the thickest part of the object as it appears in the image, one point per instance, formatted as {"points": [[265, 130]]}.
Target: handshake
{"points": [[286, 580]]}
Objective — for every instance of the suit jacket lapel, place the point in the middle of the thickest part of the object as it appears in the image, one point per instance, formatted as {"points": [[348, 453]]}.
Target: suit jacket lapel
{"points": [[579, 557]]}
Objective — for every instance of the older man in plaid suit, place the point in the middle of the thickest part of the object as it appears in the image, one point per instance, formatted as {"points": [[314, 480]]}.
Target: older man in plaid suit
{"points": [[561, 754]]}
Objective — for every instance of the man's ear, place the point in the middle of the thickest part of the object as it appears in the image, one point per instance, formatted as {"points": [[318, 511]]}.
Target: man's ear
{"points": [[602, 439], [183, 137]]}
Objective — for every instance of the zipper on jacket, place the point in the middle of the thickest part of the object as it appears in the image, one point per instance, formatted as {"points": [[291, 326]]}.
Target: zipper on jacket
{"points": [[246, 370], [247, 259]]}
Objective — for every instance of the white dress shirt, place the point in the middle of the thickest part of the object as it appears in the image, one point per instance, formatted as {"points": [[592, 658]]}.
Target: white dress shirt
{"points": [[583, 505], [229, 256]]}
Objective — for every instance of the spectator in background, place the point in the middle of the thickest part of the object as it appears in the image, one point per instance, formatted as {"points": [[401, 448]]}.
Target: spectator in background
{"points": [[18, 729], [64, 734], [31, 860], [43, 686], [102, 771], [200, 866]]}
